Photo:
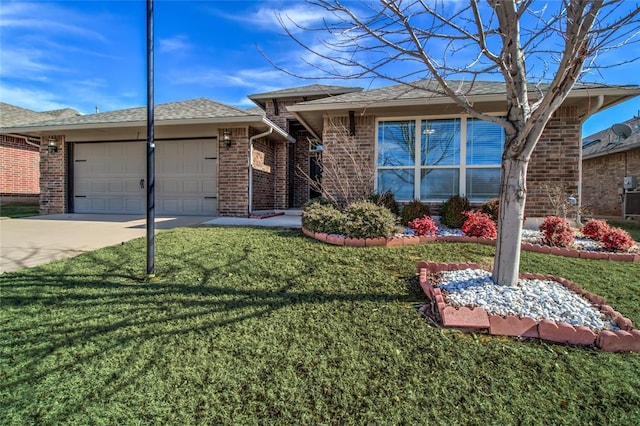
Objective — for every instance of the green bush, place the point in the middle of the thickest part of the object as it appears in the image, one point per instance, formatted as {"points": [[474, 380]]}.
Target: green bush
{"points": [[321, 217], [414, 210], [492, 208], [318, 200], [386, 199], [365, 219], [451, 211]]}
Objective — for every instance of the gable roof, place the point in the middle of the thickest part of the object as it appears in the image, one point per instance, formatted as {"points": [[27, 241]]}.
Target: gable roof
{"points": [[191, 111], [61, 113], [606, 142], [430, 89], [310, 91], [424, 96], [12, 115]]}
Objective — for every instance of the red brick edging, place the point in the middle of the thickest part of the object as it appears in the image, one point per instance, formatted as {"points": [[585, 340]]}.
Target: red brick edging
{"points": [[406, 241], [624, 340]]}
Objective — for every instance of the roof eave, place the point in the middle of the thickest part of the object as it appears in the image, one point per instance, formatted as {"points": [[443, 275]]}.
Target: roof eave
{"points": [[248, 119], [625, 93], [620, 149], [278, 130]]}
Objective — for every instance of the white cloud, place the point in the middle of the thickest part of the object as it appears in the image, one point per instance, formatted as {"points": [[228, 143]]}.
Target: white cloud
{"points": [[36, 100], [39, 16], [266, 18], [178, 43], [26, 63]]}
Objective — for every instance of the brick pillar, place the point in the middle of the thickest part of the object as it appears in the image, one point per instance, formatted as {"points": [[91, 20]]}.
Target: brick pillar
{"points": [[555, 161], [53, 177], [281, 196], [233, 172]]}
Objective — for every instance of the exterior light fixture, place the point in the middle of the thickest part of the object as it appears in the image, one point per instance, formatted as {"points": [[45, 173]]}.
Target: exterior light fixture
{"points": [[53, 145], [226, 137]]}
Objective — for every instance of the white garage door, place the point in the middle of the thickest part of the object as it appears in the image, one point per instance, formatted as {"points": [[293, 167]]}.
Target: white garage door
{"points": [[110, 177]]}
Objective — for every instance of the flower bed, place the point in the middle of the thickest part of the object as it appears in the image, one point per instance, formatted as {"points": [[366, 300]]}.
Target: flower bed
{"points": [[621, 337], [529, 243]]}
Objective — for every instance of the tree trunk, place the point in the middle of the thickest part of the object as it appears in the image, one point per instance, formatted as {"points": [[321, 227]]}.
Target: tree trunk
{"points": [[511, 217]]}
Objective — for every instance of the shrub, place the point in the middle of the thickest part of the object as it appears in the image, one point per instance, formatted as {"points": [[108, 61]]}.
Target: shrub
{"points": [[451, 211], [364, 219], [321, 217], [492, 208], [423, 225], [617, 239], [385, 199], [414, 210], [557, 231], [479, 224], [595, 229], [318, 200]]}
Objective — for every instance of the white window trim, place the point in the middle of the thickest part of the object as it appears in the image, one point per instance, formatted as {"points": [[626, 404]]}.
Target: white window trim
{"points": [[462, 167]]}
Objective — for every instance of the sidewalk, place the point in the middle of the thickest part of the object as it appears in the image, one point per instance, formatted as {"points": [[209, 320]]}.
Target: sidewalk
{"points": [[278, 219]]}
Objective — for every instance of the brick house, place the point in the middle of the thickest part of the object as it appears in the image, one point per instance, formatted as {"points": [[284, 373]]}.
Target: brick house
{"points": [[607, 158], [423, 146], [20, 154], [214, 159]]}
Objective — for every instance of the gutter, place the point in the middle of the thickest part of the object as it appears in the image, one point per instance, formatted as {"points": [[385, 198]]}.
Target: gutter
{"points": [[251, 140], [25, 139]]}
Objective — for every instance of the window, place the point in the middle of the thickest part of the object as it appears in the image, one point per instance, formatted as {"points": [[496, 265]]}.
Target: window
{"points": [[433, 159]]}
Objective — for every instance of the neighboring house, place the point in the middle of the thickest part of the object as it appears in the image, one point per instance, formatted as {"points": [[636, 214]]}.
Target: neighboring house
{"points": [[20, 154], [609, 156], [214, 159]]}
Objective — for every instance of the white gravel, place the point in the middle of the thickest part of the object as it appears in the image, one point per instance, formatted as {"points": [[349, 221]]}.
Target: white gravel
{"points": [[537, 299]]}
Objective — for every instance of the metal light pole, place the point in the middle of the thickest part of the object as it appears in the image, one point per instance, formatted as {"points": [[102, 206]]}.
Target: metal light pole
{"points": [[151, 267]]}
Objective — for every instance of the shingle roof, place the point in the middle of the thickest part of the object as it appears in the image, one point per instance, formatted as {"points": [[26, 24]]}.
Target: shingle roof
{"points": [[11, 115], [201, 108], [62, 113], [606, 141], [430, 88], [310, 91]]}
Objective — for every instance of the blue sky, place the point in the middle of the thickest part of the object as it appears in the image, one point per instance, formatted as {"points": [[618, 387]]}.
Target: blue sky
{"points": [[83, 54]]}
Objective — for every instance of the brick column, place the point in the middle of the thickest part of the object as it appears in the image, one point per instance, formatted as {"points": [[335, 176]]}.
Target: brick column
{"points": [[233, 172], [555, 161], [53, 177]]}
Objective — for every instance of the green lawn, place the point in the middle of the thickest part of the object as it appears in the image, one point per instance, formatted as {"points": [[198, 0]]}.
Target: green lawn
{"points": [[255, 326], [14, 210]]}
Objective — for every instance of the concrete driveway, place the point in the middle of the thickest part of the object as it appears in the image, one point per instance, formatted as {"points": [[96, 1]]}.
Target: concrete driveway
{"points": [[41, 239]]}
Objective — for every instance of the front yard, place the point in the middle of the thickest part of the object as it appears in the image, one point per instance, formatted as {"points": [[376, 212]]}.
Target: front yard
{"points": [[253, 326]]}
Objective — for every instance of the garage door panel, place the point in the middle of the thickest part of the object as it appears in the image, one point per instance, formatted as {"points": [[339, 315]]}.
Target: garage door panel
{"points": [[187, 177], [107, 177]]}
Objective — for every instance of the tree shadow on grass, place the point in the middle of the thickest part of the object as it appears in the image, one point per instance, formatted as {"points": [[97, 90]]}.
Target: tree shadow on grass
{"points": [[60, 320]]}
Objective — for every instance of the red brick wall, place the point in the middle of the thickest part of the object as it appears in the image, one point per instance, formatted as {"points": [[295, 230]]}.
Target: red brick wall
{"points": [[53, 179], [281, 156], [602, 179], [233, 172], [335, 132], [555, 161], [264, 171], [19, 168], [300, 158]]}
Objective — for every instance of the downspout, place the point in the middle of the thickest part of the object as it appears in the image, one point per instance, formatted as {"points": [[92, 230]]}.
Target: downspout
{"points": [[251, 139], [593, 110], [24, 138]]}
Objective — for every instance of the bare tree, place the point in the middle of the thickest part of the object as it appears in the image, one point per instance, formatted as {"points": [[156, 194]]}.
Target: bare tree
{"points": [[552, 44]]}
